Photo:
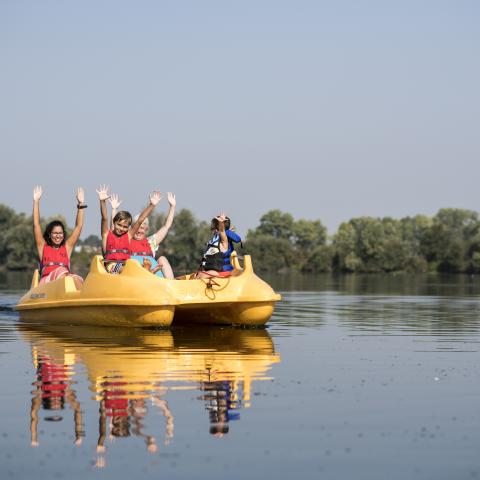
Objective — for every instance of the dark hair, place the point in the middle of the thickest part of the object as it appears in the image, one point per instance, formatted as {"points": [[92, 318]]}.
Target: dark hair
{"points": [[214, 224], [48, 232], [219, 428], [122, 215], [53, 403]]}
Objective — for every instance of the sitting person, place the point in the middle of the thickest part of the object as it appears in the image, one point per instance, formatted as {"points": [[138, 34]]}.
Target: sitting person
{"points": [[54, 249], [116, 240], [216, 260], [143, 248]]}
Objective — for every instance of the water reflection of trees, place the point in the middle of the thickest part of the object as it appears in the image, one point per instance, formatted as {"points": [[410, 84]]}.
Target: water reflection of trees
{"points": [[378, 284], [423, 304], [420, 315], [131, 371]]}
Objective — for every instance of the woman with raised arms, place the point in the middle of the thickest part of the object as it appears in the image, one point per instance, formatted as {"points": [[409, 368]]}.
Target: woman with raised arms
{"points": [[54, 249]]}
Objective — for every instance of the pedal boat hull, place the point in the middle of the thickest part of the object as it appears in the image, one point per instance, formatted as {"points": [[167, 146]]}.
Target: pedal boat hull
{"points": [[136, 298]]}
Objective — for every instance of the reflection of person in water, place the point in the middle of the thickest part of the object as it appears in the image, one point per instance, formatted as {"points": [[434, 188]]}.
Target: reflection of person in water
{"points": [[169, 426], [221, 398], [120, 416], [53, 389], [114, 408]]}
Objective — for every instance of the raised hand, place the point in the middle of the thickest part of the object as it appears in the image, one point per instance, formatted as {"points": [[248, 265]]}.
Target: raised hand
{"points": [[221, 217], [103, 192], [155, 197], [80, 195], [115, 202], [171, 199], [37, 193]]}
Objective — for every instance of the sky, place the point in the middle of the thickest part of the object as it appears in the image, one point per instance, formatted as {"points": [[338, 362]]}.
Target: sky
{"points": [[326, 110]]}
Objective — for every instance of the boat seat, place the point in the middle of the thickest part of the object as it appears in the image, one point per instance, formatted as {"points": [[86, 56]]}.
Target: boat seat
{"points": [[35, 278], [69, 284]]}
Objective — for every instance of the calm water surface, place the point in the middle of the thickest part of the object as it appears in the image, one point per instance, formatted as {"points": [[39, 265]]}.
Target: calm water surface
{"points": [[356, 377]]}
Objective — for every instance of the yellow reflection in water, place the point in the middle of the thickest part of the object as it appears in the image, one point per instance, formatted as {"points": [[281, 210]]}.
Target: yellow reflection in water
{"points": [[132, 369]]}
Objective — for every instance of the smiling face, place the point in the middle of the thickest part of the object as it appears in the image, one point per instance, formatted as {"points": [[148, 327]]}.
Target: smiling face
{"points": [[141, 232], [120, 227], [56, 235]]}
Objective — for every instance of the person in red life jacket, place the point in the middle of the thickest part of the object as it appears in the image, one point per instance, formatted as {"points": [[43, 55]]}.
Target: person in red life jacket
{"points": [[116, 240], [143, 248], [216, 260], [53, 391], [54, 249]]}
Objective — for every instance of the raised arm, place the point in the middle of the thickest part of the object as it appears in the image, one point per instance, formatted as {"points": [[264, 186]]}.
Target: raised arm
{"points": [[37, 229], [234, 236], [221, 231], [162, 232], [114, 203], [73, 239], [155, 197], [102, 196]]}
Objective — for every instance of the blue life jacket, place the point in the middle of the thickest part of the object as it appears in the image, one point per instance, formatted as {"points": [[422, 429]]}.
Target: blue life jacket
{"points": [[214, 259]]}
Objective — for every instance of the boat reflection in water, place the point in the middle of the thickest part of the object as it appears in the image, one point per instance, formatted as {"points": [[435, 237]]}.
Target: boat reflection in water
{"points": [[131, 370]]}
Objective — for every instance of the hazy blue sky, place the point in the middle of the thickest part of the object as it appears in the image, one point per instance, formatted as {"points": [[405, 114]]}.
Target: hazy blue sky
{"points": [[326, 110]]}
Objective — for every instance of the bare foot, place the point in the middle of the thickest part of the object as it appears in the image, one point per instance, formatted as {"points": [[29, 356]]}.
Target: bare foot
{"points": [[147, 264], [156, 269]]}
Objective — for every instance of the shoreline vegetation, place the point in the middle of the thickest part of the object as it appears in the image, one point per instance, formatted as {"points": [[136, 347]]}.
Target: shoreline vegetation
{"points": [[448, 242]]}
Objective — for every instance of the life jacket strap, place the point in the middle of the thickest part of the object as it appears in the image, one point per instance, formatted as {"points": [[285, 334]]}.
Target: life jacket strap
{"points": [[120, 250], [51, 264], [141, 254]]}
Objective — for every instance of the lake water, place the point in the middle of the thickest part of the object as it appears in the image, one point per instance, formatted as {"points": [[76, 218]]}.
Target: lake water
{"points": [[365, 377]]}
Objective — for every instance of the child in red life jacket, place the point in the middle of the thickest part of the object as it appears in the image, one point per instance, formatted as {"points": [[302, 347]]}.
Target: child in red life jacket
{"points": [[116, 240], [54, 249], [143, 247]]}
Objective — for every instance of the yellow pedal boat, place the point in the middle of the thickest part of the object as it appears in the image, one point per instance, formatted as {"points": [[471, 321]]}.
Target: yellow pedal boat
{"points": [[138, 298]]}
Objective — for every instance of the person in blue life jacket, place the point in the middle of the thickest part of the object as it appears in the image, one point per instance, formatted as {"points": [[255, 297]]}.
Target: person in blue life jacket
{"points": [[216, 259]]}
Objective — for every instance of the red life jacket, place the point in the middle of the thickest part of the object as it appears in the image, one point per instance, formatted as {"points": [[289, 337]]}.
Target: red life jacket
{"points": [[52, 258], [116, 401], [141, 248], [52, 377], [118, 248]]}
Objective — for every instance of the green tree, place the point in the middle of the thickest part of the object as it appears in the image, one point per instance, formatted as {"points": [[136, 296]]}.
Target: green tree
{"points": [[185, 243], [92, 241], [308, 234], [7, 221], [451, 241], [368, 244], [270, 253], [345, 244], [320, 259], [21, 252], [276, 224]]}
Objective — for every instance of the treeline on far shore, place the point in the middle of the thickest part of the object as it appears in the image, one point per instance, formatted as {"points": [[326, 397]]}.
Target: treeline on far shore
{"points": [[447, 242]]}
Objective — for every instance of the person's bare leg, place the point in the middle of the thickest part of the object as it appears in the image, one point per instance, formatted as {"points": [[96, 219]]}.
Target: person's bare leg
{"points": [[166, 267], [207, 274], [156, 269]]}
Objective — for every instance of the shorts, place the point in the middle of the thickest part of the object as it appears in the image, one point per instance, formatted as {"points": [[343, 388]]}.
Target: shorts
{"points": [[114, 267], [140, 258], [59, 272]]}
